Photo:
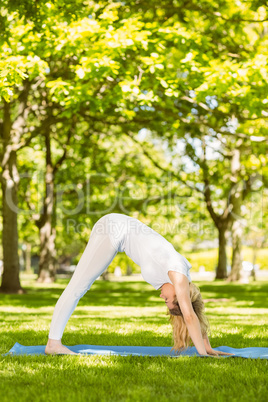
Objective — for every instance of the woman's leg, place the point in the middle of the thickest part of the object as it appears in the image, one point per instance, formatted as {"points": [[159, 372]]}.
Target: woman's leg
{"points": [[97, 256]]}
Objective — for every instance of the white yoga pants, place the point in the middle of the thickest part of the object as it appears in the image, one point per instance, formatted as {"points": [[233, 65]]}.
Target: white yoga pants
{"points": [[97, 256]]}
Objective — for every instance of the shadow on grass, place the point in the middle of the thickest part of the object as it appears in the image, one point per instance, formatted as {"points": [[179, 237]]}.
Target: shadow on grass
{"points": [[253, 295], [136, 294], [92, 335], [102, 293], [118, 378], [131, 378], [88, 336]]}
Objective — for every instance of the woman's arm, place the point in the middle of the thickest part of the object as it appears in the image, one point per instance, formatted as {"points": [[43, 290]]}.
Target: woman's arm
{"points": [[207, 343], [182, 290]]}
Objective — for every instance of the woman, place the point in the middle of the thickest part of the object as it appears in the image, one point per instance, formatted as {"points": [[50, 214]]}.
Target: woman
{"points": [[161, 266]]}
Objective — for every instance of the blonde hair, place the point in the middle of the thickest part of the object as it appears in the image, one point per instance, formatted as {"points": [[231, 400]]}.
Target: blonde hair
{"points": [[181, 337]]}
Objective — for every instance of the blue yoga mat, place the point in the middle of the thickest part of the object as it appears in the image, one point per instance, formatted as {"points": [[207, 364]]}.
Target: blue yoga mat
{"points": [[251, 353]]}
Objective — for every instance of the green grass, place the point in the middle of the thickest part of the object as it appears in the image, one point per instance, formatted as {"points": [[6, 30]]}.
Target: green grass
{"points": [[131, 313]]}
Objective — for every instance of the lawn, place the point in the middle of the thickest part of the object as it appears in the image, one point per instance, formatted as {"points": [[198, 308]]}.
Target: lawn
{"points": [[131, 313]]}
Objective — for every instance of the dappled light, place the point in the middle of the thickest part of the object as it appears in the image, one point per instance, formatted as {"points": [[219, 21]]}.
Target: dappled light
{"points": [[140, 114], [116, 313]]}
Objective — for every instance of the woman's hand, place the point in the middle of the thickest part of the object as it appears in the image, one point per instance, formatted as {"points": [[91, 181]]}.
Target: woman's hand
{"points": [[213, 352]]}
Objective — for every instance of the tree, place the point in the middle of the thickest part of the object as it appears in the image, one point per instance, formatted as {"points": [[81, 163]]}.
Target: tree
{"points": [[35, 63], [131, 67], [45, 224], [13, 139]]}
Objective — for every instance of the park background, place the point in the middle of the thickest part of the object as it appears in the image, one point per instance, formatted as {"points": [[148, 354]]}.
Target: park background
{"points": [[157, 110]]}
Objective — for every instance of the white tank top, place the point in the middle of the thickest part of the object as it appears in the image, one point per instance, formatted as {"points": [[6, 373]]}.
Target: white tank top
{"points": [[147, 248]]}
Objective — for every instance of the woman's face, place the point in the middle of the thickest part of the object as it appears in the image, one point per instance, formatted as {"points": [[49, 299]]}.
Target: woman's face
{"points": [[168, 294]]}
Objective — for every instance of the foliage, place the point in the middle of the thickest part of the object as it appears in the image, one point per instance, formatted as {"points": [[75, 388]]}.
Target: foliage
{"points": [[188, 75]]}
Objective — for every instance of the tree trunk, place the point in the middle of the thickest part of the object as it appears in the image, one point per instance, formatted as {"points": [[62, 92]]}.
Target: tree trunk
{"points": [[235, 205], [221, 221], [46, 225], [9, 181], [105, 275], [47, 268], [27, 258], [236, 255], [10, 279], [256, 245], [221, 271]]}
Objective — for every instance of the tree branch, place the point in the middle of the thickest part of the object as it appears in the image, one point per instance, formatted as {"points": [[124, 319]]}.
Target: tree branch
{"points": [[59, 162], [163, 169]]}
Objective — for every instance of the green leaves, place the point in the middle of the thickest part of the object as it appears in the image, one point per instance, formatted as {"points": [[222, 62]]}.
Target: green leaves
{"points": [[185, 72], [14, 69]]}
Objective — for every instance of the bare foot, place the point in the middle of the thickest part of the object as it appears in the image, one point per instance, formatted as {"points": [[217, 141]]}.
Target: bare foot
{"points": [[55, 347]]}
